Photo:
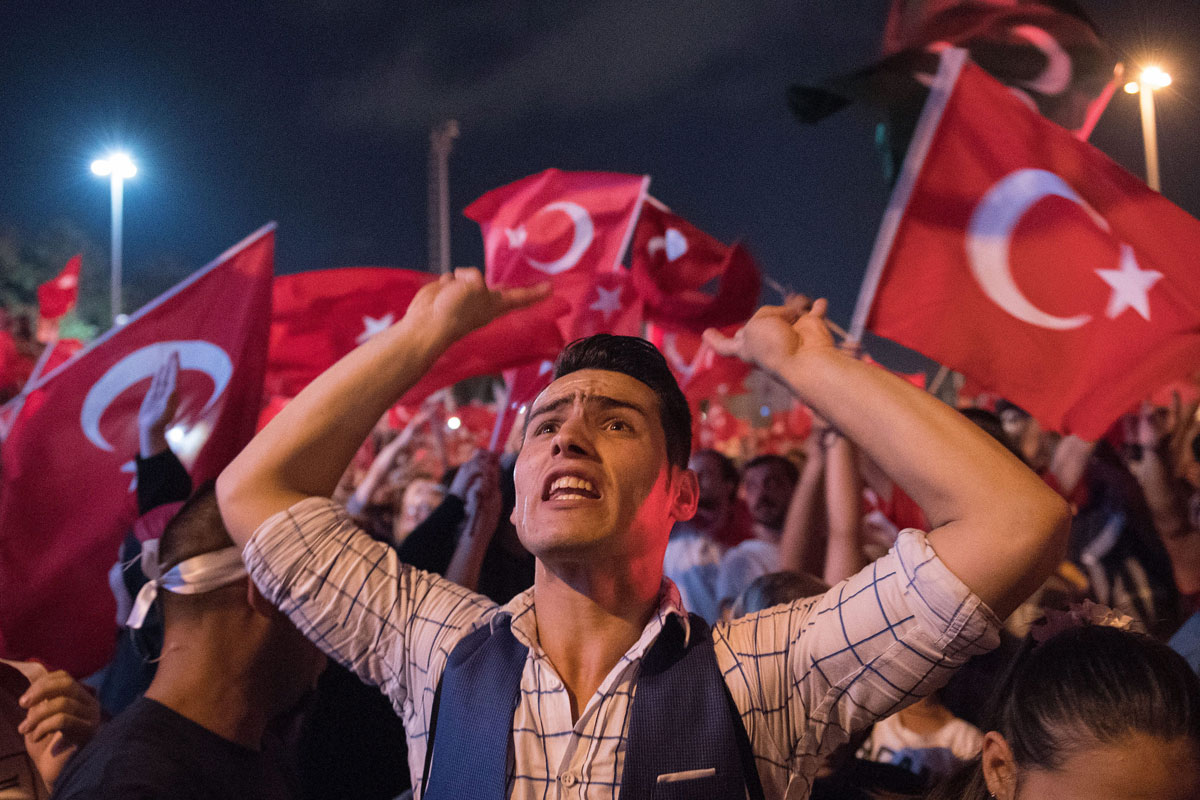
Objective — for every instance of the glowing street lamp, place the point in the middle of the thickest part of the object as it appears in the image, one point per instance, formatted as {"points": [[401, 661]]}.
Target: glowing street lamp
{"points": [[117, 168], [1152, 79]]}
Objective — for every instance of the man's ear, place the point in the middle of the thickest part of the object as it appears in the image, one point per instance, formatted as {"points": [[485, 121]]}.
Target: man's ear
{"points": [[686, 494], [999, 766]]}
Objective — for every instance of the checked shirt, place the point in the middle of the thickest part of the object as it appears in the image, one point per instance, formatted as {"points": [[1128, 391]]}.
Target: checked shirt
{"points": [[802, 675]]}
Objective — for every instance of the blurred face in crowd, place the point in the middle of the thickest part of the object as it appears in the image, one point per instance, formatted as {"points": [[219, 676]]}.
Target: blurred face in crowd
{"points": [[716, 493], [768, 490], [421, 497], [1137, 767], [592, 478]]}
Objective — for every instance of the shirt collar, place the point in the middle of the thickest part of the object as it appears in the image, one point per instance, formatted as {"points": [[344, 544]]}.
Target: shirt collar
{"points": [[522, 617]]}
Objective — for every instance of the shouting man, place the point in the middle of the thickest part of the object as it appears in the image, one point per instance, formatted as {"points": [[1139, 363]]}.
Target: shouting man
{"points": [[596, 682]]}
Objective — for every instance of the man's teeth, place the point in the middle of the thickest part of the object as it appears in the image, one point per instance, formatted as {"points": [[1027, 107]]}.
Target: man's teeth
{"points": [[565, 484]]}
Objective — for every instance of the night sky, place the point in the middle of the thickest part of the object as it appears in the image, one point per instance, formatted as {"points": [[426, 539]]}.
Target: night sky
{"points": [[316, 113]]}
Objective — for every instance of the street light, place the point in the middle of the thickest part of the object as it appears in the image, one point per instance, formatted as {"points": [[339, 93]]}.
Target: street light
{"points": [[117, 167], [1152, 79]]}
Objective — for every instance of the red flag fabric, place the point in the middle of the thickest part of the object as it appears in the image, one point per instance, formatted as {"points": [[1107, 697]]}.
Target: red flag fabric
{"points": [[700, 371], [1050, 54], [57, 296], [1026, 259], [565, 227], [67, 497], [320, 316], [610, 305], [673, 262], [523, 385]]}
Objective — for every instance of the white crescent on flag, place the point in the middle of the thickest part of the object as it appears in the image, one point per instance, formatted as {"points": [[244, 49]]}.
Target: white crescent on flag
{"points": [[194, 354], [582, 239], [989, 238]]}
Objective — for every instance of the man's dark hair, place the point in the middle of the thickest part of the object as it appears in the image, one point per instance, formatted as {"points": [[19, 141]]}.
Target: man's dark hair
{"points": [[641, 361], [771, 460], [196, 529]]}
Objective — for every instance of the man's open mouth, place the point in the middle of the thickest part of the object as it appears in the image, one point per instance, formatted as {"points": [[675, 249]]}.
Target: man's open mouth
{"points": [[570, 487]]}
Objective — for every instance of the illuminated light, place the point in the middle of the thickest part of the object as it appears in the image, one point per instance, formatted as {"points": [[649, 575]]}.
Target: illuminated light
{"points": [[1132, 87], [454, 423], [118, 165], [764, 411], [1155, 78], [176, 435]]}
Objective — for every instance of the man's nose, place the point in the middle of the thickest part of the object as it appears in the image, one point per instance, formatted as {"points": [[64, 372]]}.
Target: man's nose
{"points": [[572, 438]]}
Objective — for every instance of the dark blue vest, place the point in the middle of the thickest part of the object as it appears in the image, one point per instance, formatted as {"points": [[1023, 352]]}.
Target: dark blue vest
{"points": [[683, 721]]}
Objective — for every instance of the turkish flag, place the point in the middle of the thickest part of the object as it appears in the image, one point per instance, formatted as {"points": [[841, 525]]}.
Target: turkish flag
{"points": [[67, 496], [321, 316], [687, 278], [1027, 260], [523, 385], [610, 305], [57, 296], [700, 371], [565, 227]]}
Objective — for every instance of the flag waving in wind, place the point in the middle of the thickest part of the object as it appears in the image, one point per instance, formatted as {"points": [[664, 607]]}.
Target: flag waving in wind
{"points": [[322, 315], [673, 264], [565, 227], [66, 497], [1027, 260]]}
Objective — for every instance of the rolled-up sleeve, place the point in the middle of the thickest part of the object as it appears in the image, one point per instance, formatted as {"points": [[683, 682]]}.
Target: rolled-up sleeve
{"points": [[390, 623], [808, 673]]}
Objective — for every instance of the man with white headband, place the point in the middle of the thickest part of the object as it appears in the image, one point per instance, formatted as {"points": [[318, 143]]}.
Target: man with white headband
{"points": [[230, 664], [596, 683]]}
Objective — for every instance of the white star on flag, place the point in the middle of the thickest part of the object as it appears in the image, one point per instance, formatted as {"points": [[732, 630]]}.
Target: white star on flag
{"points": [[516, 236], [1130, 285], [372, 326], [608, 301]]}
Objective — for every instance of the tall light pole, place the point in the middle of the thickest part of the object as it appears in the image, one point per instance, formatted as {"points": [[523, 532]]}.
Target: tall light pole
{"points": [[1151, 79], [117, 167], [441, 140]]}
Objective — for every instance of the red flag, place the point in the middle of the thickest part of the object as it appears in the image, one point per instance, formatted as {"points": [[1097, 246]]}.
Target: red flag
{"points": [[565, 227], [320, 316], [67, 496], [1050, 54], [611, 305], [700, 371], [1024, 258], [674, 262], [523, 385], [57, 296]]}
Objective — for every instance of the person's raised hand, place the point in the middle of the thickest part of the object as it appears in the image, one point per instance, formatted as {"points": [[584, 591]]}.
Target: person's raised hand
{"points": [[62, 717], [159, 407], [774, 335], [459, 302]]}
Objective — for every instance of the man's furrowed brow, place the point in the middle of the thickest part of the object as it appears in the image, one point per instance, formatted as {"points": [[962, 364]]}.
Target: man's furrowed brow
{"points": [[601, 400]]}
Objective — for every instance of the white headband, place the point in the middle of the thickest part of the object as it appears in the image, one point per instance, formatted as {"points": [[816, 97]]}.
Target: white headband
{"points": [[197, 575]]}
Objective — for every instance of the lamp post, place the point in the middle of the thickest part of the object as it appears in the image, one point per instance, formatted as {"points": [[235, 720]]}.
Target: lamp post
{"points": [[1151, 79], [117, 167]]}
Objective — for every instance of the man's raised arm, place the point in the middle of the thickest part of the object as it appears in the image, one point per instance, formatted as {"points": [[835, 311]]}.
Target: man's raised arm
{"points": [[306, 447], [995, 524]]}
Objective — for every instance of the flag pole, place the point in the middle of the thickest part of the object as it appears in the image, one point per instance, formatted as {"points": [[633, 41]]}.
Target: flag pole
{"points": [[785, 293], [501, 416], [951, 65]]}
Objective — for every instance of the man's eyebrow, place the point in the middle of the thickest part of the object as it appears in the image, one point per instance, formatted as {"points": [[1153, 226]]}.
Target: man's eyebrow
{"points": [[603, 401]]}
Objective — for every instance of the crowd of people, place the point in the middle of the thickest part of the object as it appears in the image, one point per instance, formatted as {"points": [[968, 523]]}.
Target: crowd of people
{"points": [[915, 601]]}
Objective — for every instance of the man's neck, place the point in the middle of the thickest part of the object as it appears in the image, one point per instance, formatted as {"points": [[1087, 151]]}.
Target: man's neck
{"points": [[588, 619], [214, 693]]}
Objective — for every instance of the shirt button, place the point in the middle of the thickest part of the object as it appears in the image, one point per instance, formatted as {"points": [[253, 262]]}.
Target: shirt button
{"points": [[568, 780]]}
